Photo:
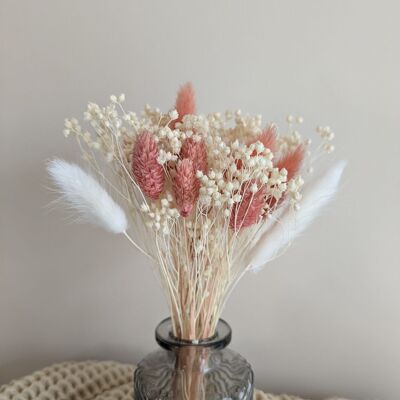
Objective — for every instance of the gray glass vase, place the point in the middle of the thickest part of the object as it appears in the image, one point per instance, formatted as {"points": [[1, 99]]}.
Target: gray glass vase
{"points": [[183, 370]]}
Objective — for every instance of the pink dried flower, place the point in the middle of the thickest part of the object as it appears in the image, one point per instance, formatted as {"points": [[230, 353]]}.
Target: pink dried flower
{"points": [[148, 172], [197, 153], [248, 211], [185, 102], [292, 161], [268, 138], [186, 187]]}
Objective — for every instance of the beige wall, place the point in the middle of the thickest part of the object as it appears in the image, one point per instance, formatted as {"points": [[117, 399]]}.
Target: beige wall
{"points": [[323, 319]]}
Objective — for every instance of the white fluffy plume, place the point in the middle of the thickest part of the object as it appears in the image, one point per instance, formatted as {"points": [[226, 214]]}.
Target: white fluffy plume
{"points": [[83, 194], [316, 195]]}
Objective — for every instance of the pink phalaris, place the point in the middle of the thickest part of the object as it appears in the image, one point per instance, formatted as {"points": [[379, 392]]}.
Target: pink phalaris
{"points": [[292, 161], [186, 187], [197, 153], [149, 174], [249, 210], [185, 102]]}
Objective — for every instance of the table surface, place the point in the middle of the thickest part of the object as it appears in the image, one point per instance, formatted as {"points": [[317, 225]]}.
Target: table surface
{"points": [[86, 380]]}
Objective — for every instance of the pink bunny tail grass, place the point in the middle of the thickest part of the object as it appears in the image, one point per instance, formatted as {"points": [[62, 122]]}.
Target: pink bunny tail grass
{"points": [[186, 187], [185, 102], [292, 161], [268, 137], [197, 153], [249, 210], [149, 174]]}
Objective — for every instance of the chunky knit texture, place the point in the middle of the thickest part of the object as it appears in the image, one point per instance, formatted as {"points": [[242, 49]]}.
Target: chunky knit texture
{"points": [[88, 380]]}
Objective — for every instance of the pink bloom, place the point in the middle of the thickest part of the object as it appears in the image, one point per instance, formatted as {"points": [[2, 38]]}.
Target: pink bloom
{"points": [[186, 187], [248, 211], [197, 153], [149, 174], [268, 138], [292, 161], [185, 102]]}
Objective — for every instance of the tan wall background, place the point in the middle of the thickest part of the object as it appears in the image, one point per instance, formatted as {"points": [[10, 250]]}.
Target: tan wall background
{"points": [[324, 318]]}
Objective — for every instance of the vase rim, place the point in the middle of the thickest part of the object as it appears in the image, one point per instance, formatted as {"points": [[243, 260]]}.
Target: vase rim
{"points": [[166, 339]]}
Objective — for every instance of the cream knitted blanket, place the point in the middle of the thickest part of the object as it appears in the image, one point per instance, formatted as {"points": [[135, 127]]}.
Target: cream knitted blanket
{"points": [[88, 380]]}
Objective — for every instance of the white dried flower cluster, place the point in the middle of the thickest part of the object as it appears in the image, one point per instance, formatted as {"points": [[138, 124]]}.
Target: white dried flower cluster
{"points": [[169, 143], [291, 142], [159, 215], [221, 188], [327, 136], [245, 171], [293, 190], [293, 138]]}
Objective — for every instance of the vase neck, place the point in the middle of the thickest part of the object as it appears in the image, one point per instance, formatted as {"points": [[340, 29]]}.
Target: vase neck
{"points": [[166, 339]]}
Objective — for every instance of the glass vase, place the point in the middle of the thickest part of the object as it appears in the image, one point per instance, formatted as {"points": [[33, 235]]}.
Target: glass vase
{"points": [[184, 370]]}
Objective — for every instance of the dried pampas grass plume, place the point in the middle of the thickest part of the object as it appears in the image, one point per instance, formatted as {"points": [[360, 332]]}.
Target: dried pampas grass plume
{"points": [[316, 195], [84, 195]]}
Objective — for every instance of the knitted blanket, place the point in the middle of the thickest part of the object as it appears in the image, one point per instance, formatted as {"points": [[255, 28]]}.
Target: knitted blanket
{"points": [[88, 380]]}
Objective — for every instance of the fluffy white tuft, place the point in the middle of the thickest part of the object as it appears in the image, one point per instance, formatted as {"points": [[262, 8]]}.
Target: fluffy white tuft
{"points": [[316, 195], [84, 195]]}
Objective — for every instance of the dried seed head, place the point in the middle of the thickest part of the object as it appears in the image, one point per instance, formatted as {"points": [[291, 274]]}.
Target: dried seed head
{"points": [[149, 174], [186, 187], [197, 153], [249, 209]]}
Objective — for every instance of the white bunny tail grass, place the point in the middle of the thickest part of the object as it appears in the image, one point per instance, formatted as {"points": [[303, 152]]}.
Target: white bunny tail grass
{"points": [[316, 195], [86, 197]]}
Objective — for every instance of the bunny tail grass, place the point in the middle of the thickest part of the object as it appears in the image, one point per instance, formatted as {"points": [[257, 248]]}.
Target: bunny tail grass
{"points": [[316, 195], [82, 193]]}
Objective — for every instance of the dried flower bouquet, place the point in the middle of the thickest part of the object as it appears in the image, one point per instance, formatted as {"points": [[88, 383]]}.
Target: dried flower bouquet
{"points": [[206, 197]]}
